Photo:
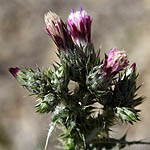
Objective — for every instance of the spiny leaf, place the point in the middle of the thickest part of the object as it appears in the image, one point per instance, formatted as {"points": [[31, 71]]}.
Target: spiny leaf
{"points": [[51, 129]]}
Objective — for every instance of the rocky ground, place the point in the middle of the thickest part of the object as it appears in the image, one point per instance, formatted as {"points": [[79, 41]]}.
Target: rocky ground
{"points": [[23, 42]]}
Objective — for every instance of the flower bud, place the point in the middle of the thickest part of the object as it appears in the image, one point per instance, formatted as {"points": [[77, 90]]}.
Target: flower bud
{"points": [[36, 82], [59, 79], [47, 104], [115, 61], [14, 71], [80, 26], [58, 31], [96, 80], [131, 72], [133, 66]]}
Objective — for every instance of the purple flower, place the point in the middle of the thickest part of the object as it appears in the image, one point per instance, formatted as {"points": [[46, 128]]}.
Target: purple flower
{"points": [[14, 71], [80, 26], [58, 31], [115, 61]]}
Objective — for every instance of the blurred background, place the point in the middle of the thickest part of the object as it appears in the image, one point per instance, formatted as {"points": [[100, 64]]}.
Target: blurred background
{"points": [[124, 24]]}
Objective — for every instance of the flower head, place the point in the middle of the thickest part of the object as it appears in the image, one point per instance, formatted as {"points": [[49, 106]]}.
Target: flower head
{"points": [[58, 31], [80, 26], [115, 61], [14, 71]]}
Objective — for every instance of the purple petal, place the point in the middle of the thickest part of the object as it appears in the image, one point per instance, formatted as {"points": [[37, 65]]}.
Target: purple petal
{"points": [[72, 10], [48, 31], [80, 26], [81, 9], [112, 51]]}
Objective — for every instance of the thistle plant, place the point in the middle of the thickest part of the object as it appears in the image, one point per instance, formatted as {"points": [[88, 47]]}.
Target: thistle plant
{"points": [[105, 91]]}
